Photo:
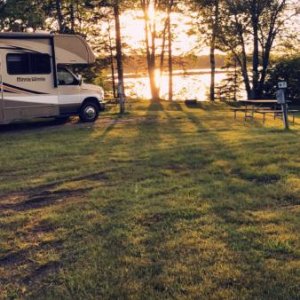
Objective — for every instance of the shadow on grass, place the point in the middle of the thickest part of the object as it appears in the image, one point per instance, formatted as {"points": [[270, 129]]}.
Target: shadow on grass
{"points": [[33, 125], [177, 227], [158, 225], [244, 236]]}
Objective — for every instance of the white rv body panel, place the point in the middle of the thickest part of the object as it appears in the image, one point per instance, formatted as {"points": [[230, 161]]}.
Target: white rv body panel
{"points": [[44, 99], [69, 48], [26, 95], [72, 49]]}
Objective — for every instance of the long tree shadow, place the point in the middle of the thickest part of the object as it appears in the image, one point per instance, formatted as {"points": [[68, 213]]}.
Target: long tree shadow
{"points": [[160, 216], [35, 125], [145, 152], [173, 213], [244, 236]]}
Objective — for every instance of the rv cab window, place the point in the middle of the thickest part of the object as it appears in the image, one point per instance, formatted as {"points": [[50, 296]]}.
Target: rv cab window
{"points": [[28, 63], [65, 77]]}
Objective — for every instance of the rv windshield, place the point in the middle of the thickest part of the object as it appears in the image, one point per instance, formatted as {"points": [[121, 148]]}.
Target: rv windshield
{"points": [[66, 77]]}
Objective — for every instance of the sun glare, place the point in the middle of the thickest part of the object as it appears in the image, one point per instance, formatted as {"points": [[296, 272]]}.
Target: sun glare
{"points": [[157, 76], [133, 29]]}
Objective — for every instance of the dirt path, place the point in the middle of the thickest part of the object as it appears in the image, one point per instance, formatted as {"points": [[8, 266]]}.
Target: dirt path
{"points": [[33, 245]]}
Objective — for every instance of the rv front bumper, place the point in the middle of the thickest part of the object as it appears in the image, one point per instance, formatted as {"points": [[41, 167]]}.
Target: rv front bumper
{"points": [[102, 104]]}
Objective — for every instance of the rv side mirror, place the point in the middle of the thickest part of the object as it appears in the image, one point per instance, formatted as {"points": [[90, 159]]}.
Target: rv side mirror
{"points": [[80, 79]]}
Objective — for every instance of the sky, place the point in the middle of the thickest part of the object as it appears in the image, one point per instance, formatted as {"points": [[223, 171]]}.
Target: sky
{"points": [[134, 35]]}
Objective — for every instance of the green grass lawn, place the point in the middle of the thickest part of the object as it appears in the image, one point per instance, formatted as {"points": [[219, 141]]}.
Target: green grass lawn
{"points": [[167, 202]]}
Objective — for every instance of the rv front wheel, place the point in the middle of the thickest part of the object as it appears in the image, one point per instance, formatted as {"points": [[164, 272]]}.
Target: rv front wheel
{"points": [[89, 112]]}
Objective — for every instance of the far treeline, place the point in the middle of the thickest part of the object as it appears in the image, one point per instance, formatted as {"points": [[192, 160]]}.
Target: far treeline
{"points": [[258, 38]]}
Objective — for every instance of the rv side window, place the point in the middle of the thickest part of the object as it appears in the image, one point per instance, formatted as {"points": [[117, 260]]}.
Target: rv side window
{"points": [[28, 63], [18, 64]]}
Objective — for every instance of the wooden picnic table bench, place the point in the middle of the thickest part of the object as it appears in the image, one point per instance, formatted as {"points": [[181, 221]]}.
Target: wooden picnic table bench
{"points": [[262, 106], [250, 106], [242, 109], [277, 113]]}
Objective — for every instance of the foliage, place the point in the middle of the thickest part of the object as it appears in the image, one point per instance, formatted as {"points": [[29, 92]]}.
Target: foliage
{"points": [[230, 87], [252, 27], [21, 15], [210, 18], [244, 29], [207, 20], [287, 69]]}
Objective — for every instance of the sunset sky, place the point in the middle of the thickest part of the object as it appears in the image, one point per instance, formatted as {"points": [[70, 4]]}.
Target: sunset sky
{"points": [[183, 42], [134, 35]]}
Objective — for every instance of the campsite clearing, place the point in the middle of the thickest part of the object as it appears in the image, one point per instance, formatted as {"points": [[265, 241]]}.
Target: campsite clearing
{"points": [[168, 201]]}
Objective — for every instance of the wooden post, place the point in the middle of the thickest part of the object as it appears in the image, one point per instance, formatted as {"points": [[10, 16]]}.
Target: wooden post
{"points": [[280, 95], [285, 115]]}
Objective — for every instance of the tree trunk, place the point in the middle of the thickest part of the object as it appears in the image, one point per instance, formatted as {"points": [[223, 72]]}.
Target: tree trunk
{"points": [[170, 55], [255, 56], [267, 49], [119, 56], [265, 64], [213, 71], [60, 18], [246, 79], [235, 88], [72, 17], [162, 54], [243, 60], [112, 65], [212, 51], [154, 87], [150, 34], [151, 67]]}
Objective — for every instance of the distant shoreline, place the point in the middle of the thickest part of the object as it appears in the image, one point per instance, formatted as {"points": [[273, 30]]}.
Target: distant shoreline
{"points": [[137, 64]]}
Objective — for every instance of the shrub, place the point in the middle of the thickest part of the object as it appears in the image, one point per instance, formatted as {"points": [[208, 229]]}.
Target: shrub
{"points": [[287, 69]]}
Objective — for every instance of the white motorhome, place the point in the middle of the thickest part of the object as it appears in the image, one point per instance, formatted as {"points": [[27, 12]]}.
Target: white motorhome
{"points": [[36, 81]]}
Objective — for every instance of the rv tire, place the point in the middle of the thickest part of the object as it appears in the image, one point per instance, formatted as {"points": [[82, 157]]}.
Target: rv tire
{"points": [[89, 112]]}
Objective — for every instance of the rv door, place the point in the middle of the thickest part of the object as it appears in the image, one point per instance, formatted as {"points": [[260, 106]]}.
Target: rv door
{"points": [[69, 91]]}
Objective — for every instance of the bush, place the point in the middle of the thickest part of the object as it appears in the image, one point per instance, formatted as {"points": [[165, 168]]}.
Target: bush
{"points": [[287, 69]]}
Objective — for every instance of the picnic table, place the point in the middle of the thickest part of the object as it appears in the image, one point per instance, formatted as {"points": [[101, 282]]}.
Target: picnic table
{"points": [[261, 106]]}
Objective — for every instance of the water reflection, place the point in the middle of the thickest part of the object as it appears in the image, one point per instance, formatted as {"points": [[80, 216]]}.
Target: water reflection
{"points": [[192, 84]]}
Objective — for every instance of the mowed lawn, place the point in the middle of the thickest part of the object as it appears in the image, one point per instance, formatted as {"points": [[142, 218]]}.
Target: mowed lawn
{"points": [[167, 202]]}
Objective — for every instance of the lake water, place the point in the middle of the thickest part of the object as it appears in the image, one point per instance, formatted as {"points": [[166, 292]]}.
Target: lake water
{"points": [[191, 84]]}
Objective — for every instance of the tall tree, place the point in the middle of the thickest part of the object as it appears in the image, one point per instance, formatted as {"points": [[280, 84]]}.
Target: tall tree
{"points": [[215, 28], [158, 41], [209, 12], [170, 54], [150, 8], [111, 49], [248, 30], [60, 18], [68, 14], [115, 6], [119, 56]]}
